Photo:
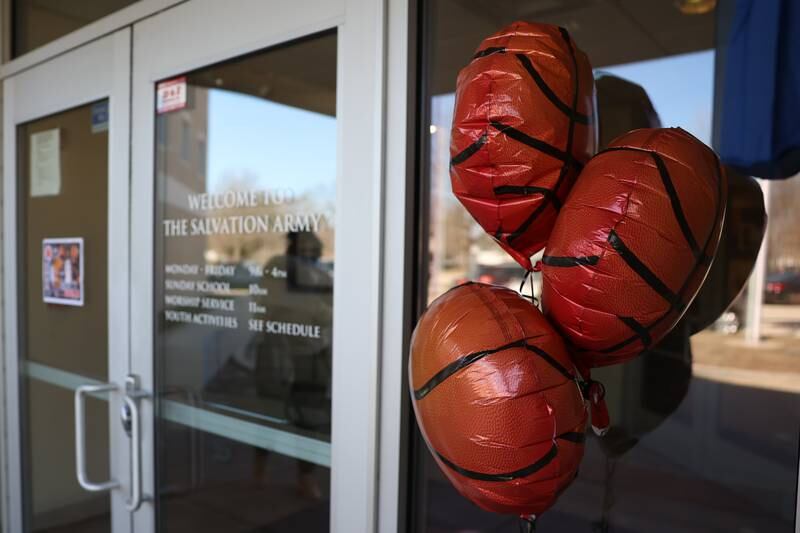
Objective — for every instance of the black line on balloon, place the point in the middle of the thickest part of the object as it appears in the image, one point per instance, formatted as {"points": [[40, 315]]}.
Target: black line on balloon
{"points": [[575, 93], [526, 224], [509, 476], [632, 338], [470, 150], [465, 361], [489, 51], [642, 271], [460, 363], [548, 92], [522, 190], [567, 159], [526, 190], [550, 360], [641, 331], [672, 193], [675, 201], [527, 140], [700, 260], [624, 149], [560, 261]]}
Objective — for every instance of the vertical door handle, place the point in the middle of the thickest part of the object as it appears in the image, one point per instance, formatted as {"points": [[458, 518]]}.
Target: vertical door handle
{"points": [[136, 457], [80, 438], [132, 396]]}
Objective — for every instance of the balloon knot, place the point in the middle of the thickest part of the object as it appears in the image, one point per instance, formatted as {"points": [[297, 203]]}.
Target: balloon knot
{"points": [[529, 523]]}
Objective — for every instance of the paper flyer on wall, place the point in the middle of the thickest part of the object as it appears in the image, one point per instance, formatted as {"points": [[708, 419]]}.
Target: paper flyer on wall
{"points": [[62, 271], [45, 163]]}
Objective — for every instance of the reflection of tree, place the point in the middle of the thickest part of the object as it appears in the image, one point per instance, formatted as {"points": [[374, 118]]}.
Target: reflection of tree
{"points": [[456, 246], [463, 235], [454, 234], [783, 247], [259, 247]]}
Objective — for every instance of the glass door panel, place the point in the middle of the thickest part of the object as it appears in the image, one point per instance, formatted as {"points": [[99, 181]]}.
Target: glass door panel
{"points": [[245, 158], [63, 185], [256, 188]]}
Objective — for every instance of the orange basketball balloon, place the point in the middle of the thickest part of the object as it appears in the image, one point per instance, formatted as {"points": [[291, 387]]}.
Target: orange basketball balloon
{"points": [[633, 243], [523, 127], [496, 398]]}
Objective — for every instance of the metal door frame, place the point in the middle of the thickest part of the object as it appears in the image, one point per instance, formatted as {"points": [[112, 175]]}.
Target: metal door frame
{"points": [[203, 32], [61, 83]]}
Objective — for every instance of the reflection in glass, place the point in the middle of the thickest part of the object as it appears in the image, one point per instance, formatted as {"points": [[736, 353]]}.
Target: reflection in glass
{"points": [[246, 175], [37, 22], [63, 191], [705, 427]]}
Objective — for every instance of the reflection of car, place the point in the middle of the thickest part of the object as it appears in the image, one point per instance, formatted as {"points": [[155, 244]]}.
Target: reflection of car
{"points": [[499, 274], [782, 287], [507, 275], [495, 267], [728, 323], [732, 320]]}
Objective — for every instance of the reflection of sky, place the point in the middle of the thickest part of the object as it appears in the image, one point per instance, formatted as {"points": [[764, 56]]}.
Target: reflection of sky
{"points": [[274, 145], [681, 88]]}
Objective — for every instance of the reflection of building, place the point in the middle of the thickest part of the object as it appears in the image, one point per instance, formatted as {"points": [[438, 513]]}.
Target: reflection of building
{"points": [[181, 140], [269, 78]]}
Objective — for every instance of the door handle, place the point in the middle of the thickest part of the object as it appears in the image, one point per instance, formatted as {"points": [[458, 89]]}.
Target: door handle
{"points": [[131, 398], [80, 438], [132, 395]]}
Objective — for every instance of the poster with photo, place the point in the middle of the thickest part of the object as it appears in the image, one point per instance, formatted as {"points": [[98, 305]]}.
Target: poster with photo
{"points": [[62, 271]]}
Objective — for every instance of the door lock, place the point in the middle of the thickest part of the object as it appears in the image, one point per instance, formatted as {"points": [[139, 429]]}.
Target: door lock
{"points": [[126, 417], [133, 391]]}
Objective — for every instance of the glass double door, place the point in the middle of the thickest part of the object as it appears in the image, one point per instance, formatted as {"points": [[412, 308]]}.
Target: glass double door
{"points": [[173, 213]]}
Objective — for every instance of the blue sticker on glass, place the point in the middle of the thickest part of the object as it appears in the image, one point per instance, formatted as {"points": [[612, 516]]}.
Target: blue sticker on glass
{"points": [[100, 116]]}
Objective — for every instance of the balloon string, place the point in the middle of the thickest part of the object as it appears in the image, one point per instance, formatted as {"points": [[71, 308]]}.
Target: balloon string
{"points": [[528, 276], [524, 279], [535, 301]]}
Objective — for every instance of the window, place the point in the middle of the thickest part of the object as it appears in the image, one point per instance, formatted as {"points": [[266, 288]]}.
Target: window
{"points": [[697, 452]]}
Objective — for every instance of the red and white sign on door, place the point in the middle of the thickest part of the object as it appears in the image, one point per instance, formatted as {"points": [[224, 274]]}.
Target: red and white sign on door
{"points": [[171, 95]]}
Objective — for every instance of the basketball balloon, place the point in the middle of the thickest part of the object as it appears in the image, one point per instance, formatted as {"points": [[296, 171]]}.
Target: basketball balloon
{"points": [[633, 243], [496, 399], [523, 127]]}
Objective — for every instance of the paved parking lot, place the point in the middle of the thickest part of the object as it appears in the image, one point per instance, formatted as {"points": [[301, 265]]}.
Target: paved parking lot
{"points": [[773, 363]]}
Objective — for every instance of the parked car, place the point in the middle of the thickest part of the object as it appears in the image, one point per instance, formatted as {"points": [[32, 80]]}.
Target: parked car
{"points": [[782, 287]]}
